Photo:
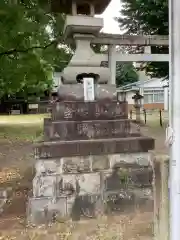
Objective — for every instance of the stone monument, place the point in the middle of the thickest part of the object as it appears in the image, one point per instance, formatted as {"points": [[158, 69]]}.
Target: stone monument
{"points": [[91, 151]]}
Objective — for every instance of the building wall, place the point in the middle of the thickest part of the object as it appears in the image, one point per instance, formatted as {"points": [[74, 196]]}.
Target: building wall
{"points": [[154, 98], [155, 95], [149, 106], [129, 96]]}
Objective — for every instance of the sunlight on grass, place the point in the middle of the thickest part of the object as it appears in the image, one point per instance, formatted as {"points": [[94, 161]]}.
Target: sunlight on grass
{"points": [[23, 119], [21, 127]]}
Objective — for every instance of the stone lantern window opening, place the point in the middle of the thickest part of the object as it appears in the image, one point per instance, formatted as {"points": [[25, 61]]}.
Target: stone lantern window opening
{"points": [[80, 77], [121, 96], [83, 8]]}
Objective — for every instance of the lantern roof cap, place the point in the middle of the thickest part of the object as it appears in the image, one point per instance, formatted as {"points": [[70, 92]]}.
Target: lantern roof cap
{"points": [[137, 96], [65, 6]]}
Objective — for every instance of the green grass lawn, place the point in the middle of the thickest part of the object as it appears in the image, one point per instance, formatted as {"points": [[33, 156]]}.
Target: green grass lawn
{"points": [[22, 127]]}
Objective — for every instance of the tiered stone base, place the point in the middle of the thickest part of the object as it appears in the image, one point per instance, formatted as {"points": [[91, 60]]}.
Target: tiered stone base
{"points": [[88, 186], [75, 175]]}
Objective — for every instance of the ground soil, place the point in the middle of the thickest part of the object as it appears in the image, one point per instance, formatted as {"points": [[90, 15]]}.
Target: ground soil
{"points": [[16, 173]]}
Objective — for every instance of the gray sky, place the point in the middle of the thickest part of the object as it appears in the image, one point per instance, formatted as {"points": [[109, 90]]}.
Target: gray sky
{"points": [[110, 25]]}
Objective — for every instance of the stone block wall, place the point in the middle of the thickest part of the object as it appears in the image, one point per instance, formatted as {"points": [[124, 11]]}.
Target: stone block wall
{"points": [[88, 186]]}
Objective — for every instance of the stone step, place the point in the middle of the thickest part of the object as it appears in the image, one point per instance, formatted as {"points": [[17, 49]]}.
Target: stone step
{"points": [[87, 164], [84, 130], [97, 110], [93, 147], [43, 210], [56, 185]]}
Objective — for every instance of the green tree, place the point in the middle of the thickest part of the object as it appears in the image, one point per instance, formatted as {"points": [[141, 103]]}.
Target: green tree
{"points": [[151, 18], [30, 46], [125, 73]]}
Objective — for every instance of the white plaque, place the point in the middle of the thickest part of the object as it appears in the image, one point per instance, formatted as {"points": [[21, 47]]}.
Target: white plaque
{"points": [[88, 89], [33, 106]]}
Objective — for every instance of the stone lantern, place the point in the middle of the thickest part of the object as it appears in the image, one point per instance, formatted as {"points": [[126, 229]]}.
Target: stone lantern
{"points": [[87, 135], [82, 27], [137, 104]]}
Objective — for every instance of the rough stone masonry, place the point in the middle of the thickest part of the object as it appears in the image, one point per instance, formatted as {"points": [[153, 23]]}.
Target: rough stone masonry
{"points": [[93, 159]]}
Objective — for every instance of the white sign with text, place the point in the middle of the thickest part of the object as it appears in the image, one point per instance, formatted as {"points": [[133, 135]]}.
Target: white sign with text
{"points": [[89, 93]]}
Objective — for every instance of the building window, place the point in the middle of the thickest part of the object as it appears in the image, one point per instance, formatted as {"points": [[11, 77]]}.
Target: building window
{"points": [[148, 98], [154, 96]]}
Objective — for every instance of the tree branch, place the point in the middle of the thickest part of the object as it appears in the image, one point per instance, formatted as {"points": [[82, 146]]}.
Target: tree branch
{"points": [[12, 51]]}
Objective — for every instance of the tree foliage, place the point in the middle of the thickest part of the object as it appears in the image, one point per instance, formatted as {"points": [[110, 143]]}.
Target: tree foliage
{"points": [[147, 17], [30, 46], [125, 73]]}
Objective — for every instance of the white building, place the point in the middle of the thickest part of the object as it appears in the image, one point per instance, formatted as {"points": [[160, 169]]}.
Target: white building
{"points": [[155, 92]]}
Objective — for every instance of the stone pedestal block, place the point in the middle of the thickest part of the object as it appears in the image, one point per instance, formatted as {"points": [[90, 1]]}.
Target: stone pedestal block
{"points": [[84, 130], [74, 148], [81, 111], [75, 92]]}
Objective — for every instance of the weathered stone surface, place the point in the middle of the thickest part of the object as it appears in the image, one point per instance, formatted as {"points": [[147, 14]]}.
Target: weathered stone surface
{"points": [[68, 92], [127, 178], [45, 186], [66, 184], [85, 164], [76, 164], [93, 147], [3, 199], [47, 124], [97, 110], [66, 195], [100, 162], [134, 160], [50, 166], [79, 184], [75, 92], [46, 210], [127, 200], [82, 130], [84, 194]]}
